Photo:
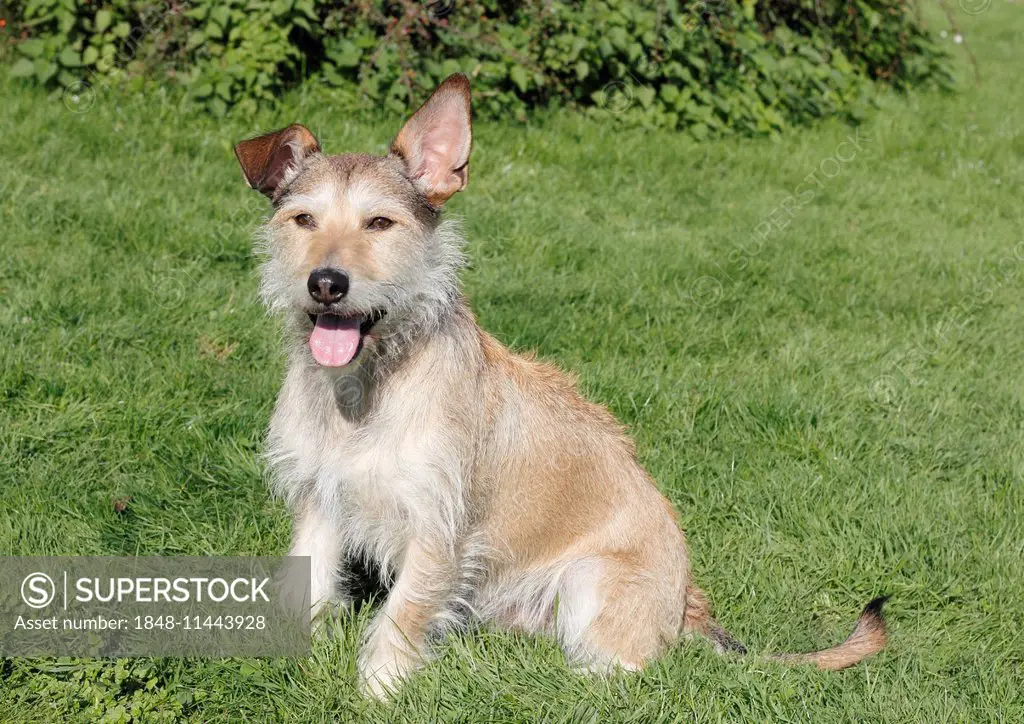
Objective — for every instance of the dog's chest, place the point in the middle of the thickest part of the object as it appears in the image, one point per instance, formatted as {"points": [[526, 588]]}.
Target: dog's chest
{"points": [[378, 480], [374, 471]]}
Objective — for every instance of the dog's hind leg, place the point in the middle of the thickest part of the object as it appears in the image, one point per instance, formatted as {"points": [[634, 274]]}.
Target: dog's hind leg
{"points": [[613, 613]]}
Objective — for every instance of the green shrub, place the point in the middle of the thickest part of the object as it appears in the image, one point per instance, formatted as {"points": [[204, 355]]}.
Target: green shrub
{"points": [[712, 66]]}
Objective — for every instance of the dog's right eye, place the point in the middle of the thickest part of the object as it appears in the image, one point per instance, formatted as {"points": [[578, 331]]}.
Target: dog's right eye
{"points": [[305, 221]]}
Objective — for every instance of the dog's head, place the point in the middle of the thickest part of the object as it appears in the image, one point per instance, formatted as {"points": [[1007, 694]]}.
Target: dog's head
{"points": [[355, 249]]}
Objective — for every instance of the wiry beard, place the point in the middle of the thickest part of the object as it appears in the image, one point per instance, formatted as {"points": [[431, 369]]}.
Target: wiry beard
{"points": [[415, 310]]}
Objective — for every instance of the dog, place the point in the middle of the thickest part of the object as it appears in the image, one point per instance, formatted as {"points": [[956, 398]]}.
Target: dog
{"points": [[478, 482]]}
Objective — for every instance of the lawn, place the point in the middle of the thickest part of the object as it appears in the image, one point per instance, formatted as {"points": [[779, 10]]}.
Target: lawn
{"points": [[816, 342]]}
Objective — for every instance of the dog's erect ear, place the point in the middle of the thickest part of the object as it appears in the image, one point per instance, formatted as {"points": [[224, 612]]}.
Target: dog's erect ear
{"points": [[266, 159], [435, 142]]}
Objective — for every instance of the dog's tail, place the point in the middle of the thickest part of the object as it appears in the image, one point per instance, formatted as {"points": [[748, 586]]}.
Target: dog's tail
{"points": [[868, 636]]}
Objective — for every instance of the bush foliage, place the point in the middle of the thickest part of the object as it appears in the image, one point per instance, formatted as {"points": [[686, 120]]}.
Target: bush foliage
{"points": [[712, 66]]}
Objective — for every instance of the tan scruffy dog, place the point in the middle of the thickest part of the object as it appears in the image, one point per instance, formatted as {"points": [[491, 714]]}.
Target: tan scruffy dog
{"points": [[479, 482]]}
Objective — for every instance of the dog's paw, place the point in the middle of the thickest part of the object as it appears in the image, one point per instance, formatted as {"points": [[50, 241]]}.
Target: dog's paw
{"points": [[326, 619], [380, 684], [381, 680], [383, 668]]}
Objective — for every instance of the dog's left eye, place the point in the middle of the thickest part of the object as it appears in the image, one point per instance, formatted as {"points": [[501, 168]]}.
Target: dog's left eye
{"points": [[305, 221], [379, 223]]}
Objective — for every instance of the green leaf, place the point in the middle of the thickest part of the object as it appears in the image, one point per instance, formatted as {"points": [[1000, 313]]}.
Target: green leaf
{"points": [[221, 14], [520, 77], [619, 38], [89, 55], [70, 58], [195, 39], [102, 20], [645, 94], [347, 55], [33, 48], [65, 20], [23, 68], [44, 70], [699, 131]]}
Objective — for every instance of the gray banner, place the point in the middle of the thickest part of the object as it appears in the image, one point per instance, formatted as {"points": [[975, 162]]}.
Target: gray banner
{"points": [[173, 606]]}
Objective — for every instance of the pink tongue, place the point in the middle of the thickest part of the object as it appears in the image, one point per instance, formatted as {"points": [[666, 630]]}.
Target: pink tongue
{"points": [[335, 340]]}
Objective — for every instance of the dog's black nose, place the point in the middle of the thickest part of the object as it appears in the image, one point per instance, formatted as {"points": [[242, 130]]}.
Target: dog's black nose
{"points": [[327, 285]]}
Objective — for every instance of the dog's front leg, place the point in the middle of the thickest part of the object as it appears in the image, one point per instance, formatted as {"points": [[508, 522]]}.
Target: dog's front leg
{"points": [[396, 644], [317, 536]]}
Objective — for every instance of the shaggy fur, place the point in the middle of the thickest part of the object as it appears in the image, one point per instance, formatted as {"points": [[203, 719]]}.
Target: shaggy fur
{"points": [[478, 482]]}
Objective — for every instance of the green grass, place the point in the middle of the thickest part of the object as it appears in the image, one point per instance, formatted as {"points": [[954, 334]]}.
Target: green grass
{"points": [[835, 416]]}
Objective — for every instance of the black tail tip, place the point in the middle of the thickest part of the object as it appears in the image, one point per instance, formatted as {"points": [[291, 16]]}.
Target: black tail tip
{"points": [[874, 607], [724, 641]]}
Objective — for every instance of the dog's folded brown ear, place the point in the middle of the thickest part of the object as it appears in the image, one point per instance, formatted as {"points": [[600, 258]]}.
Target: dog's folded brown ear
{"points": [[435, 142], [266, 159]]}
